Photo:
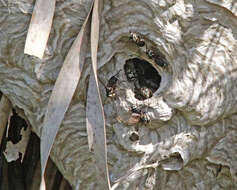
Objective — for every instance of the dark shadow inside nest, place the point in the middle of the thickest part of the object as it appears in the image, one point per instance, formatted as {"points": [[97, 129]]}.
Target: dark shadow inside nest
{"points": [[145, 78]]}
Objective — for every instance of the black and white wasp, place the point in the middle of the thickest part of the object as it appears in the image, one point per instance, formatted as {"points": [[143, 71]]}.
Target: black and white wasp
{"points": [[111, 85], [137, 38], [143, 116], [157, 56]]}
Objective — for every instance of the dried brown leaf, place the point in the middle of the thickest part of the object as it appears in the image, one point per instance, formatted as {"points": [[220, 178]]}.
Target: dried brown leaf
{"points": [[94, 110], [39, 29], [63, 91]]}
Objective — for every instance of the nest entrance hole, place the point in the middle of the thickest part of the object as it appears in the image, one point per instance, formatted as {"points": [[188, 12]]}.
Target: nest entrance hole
{"points": [[144, 76]]}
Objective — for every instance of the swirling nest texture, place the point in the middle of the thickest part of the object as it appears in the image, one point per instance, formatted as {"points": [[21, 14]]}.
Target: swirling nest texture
{"points": [[192, 133]]}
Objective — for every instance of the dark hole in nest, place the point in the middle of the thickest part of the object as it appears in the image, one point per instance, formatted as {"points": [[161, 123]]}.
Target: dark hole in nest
{"points": [[134, 137], [16, 125], [144, 76]]}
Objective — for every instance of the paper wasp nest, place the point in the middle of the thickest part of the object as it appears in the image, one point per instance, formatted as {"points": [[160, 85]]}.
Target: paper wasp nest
{"points": [[171, 114]]}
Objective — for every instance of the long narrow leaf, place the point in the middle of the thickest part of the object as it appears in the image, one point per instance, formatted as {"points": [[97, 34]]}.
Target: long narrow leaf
{"points": [[63, 91], [40, 26], [94, 110]]}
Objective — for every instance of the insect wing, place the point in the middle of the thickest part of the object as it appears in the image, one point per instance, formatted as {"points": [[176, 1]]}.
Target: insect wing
{"points": [[134, 119]]}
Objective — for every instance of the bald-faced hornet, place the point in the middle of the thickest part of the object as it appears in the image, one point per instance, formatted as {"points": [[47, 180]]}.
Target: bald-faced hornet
{"points": [[150, 53], [135, 109], [135, 37], [143, 116], [157, 57], [110, 92], [143, 93], [111, 85]]}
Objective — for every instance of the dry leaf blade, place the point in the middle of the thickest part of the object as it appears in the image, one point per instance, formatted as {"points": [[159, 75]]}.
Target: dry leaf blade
{"points": [[94, 112], [39, 29], [63, 91]]}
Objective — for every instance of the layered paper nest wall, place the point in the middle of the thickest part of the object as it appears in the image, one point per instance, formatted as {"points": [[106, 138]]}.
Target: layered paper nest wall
{"points": [[191, 140]]}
